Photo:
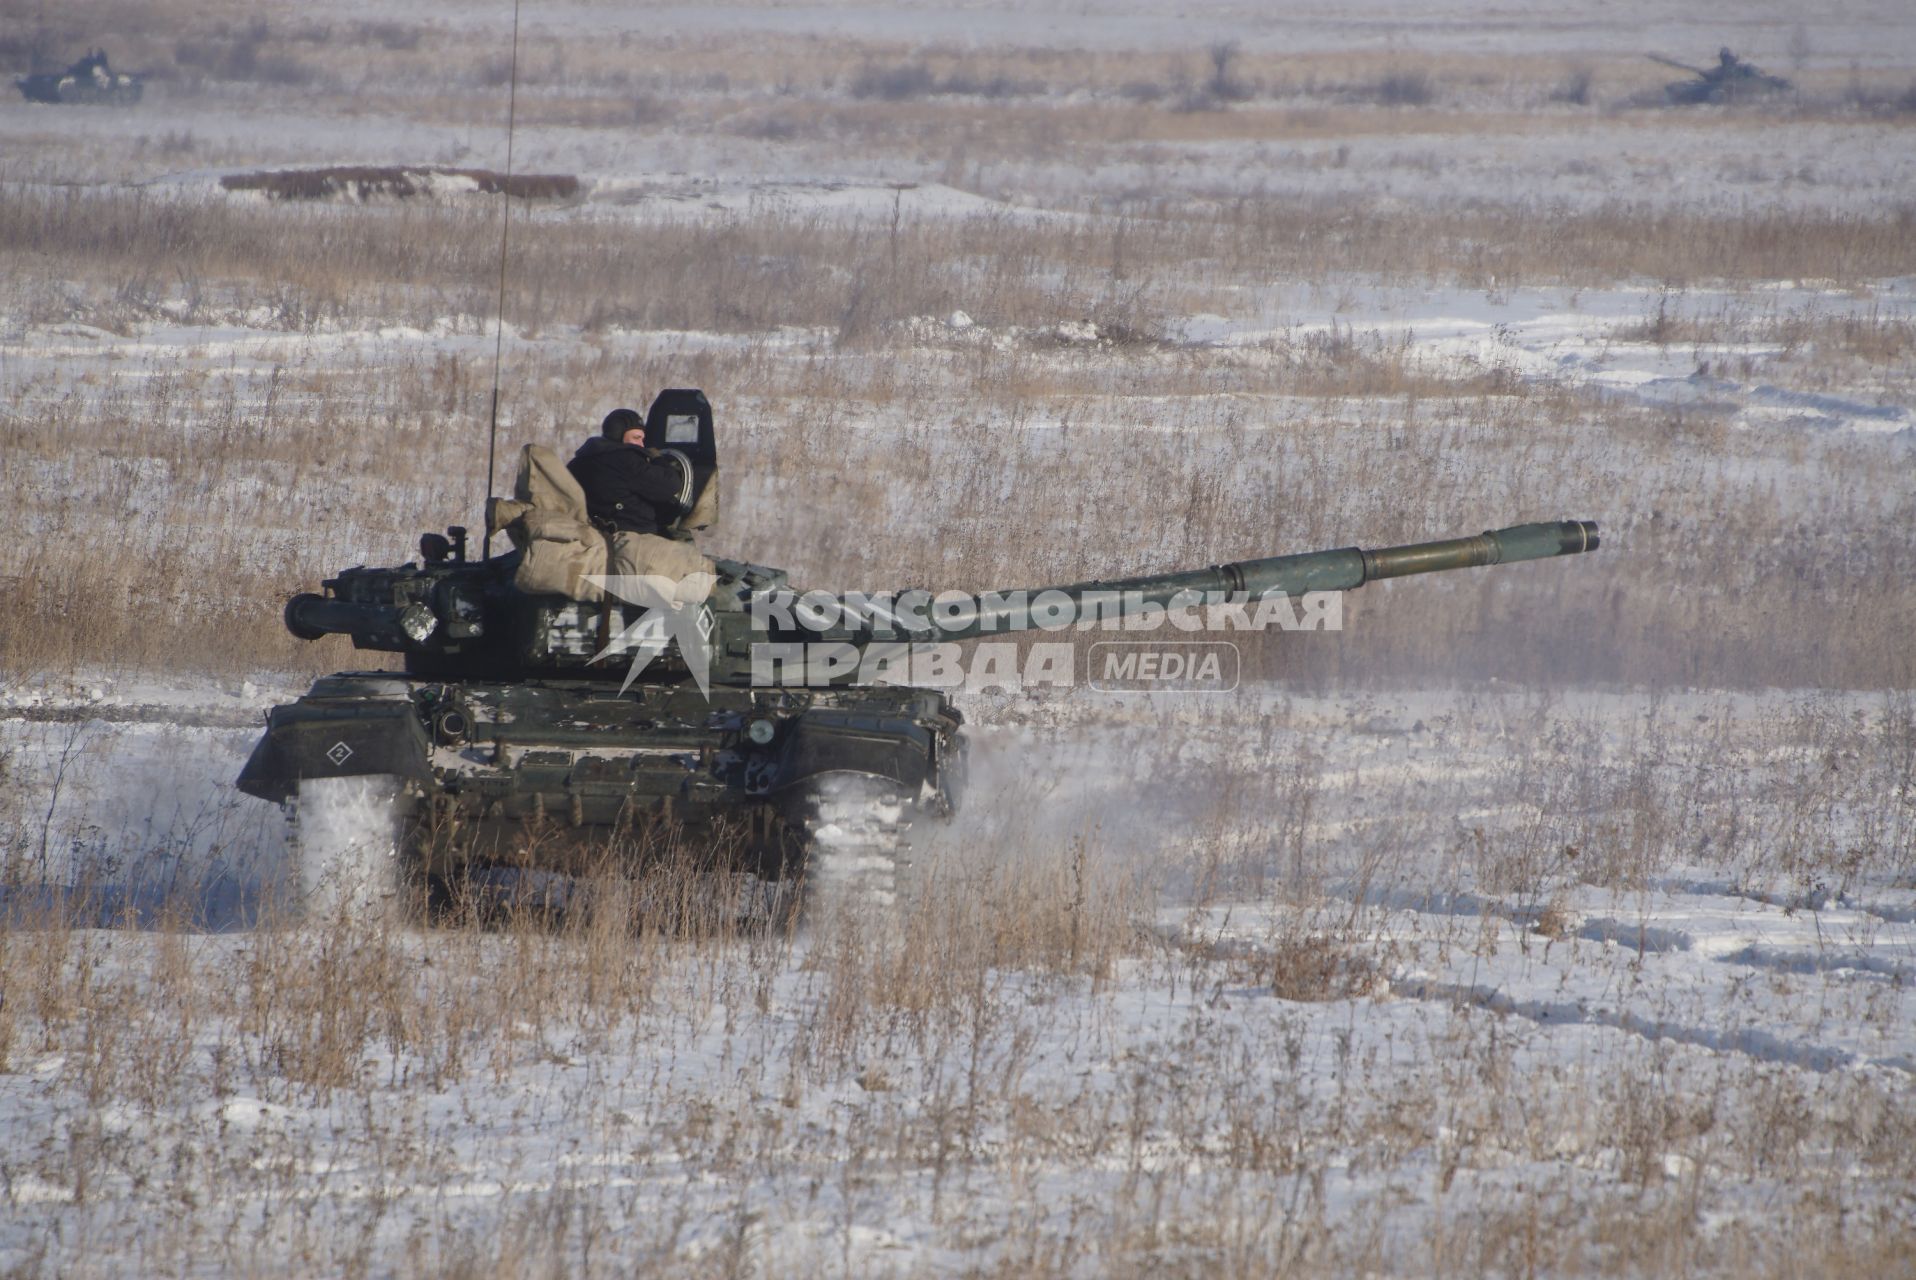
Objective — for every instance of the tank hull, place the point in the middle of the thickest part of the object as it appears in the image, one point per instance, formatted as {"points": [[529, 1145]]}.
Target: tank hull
{"points": [[70, 90], [560, 775]]}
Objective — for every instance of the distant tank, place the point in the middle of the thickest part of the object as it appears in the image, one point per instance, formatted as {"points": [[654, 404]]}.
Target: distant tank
{"points": [[514, 743], [1730, 80], [88, 82]]}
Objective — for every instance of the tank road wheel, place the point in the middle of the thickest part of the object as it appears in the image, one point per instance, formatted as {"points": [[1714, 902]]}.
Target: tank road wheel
{"points": [[859, 851], [346, 845]]}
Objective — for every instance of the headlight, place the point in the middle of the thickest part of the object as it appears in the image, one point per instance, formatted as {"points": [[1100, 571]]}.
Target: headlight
{"points": [[451, 726], [418, 622]]}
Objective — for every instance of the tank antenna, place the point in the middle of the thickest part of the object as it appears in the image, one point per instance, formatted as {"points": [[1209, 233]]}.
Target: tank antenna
{"points": [[499, 319]]}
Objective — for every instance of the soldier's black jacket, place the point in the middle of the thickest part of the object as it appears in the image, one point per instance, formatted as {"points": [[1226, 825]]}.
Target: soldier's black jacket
{"points": [[629, 487]]}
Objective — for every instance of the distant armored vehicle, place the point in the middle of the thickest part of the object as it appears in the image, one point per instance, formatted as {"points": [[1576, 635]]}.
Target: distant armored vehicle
{"points": [[88, 82], [515, 745], [1730, 80]]}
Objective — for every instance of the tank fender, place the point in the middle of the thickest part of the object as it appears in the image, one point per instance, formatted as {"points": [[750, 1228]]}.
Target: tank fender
{"points": [[311, 739], [836, 740]]}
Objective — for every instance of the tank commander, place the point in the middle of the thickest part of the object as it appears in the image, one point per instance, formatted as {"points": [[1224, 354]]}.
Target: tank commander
{"points": [[629, 487]]}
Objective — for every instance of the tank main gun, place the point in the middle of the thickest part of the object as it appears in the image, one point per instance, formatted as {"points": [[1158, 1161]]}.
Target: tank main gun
{"points": [[1680, 66], [1342, 569]]}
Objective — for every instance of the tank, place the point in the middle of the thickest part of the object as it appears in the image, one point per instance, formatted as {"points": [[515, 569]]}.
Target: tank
{"points": [[539, 732], [88, 82], [1730, 80]]}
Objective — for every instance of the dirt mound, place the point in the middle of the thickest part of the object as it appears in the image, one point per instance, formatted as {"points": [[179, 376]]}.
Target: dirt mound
{"points": [[364, 182]]}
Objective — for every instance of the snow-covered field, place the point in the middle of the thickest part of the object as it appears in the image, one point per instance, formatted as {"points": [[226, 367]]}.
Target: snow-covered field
{"points": [[1552, 919], [1468, 981]]}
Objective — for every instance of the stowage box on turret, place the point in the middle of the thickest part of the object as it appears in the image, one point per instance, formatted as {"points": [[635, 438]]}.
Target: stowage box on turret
{"points": [[525, 727]]}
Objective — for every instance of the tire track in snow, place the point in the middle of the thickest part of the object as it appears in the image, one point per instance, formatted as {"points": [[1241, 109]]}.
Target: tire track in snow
{"points": [[1646, 938], [1814, 900], [1752, 1042]]}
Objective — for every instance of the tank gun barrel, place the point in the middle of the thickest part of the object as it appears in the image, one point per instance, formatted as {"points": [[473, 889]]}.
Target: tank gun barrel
{"points": [[1342, 569], [1497, 546], [1680, 66]]}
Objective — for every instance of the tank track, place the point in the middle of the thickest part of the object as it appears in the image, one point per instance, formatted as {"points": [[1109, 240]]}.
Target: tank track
{"points": [[856, 831], [860, 852]]}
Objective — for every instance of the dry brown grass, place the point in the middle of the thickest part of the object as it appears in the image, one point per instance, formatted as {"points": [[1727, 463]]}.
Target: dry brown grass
{"points": [[1154, 259], [177, 507], [220, 507]]}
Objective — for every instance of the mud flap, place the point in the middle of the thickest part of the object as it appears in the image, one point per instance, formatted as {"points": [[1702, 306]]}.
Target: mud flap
{"points": [[308, 740], [833, 741]]}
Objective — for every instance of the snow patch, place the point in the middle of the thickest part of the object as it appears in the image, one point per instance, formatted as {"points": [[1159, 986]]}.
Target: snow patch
{"points": [[348, 851]]}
